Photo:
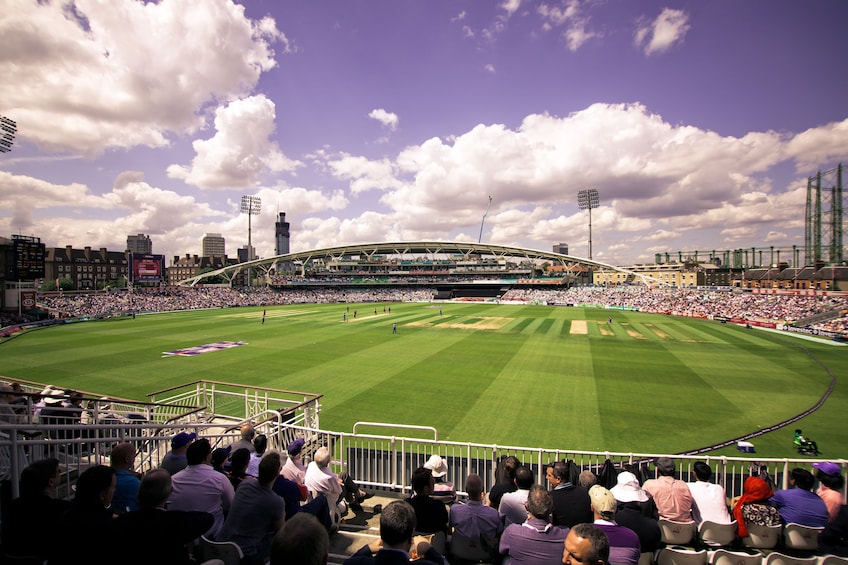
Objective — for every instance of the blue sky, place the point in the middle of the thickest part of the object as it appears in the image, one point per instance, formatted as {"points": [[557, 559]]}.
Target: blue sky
{"points": [[370, 120]]}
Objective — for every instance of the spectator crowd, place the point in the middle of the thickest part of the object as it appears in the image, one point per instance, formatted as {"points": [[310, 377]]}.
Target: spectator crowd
{"points": [[577, 518]]}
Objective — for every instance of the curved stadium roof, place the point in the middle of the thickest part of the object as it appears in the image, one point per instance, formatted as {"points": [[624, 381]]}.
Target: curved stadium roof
{"points": [[418, 249]]}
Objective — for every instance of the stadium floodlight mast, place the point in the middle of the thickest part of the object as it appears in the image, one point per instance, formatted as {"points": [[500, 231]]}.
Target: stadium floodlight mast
{"points": [[8, 129], [588, 199], [250, 205]]}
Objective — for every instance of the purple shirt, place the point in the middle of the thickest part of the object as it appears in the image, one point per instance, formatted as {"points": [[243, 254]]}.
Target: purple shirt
{"points": [[473, 519], [536, 541], [624, 543], [801, 507]]}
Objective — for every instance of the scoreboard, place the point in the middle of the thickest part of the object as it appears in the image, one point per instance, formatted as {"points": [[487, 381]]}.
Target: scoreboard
{"points": [[29, 254]]}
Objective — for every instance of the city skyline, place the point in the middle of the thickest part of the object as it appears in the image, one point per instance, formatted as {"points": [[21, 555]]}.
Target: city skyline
{"points": [[698, 123]]}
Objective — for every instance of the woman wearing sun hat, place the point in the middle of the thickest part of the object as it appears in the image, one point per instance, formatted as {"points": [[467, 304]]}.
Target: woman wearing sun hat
{"points": [[635, 509]]}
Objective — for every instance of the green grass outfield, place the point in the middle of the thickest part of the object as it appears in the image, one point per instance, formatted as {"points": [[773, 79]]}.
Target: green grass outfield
{"points": [[513, 375]]}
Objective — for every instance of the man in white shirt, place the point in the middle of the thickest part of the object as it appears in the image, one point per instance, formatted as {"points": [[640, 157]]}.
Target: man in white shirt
{"points": [[200, 487], [512, 506], [710, 500]]}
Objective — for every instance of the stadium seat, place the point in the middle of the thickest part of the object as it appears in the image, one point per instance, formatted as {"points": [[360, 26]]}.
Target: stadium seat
{"points": [[717, 535], [832, 560], [727, 557], [777, 558], [801, 538], [646, 558], [681, 556], [676, 533], [762, 537], [227, 551]]}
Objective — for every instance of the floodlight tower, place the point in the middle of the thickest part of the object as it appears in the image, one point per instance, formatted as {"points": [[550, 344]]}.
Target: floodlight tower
{"points": [[588, 199], [250, 205], [8, 128]]}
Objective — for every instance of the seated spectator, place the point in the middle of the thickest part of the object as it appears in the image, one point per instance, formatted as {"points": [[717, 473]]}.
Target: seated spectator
{"points": [[201, 488], [474, 520], [88, 522], [536, 541], [260, 444], [831, 484], [571, 502], [753, 507], [239, 461], [340, 490], [623, 542], [587, 479], [513, 507], [122, 459], [257, 513], [68, 412], [629, 511], [294, 469], [7, 410], [34, 512], [443, 491], [396, 544], [301, 540], [627, 489], [430, 514], [248, 433], [294, 494], [672, 496], [154, 534], [219, 459], [504, 480], [798, 504], [586, 544], [710, 500], [175, 460]]}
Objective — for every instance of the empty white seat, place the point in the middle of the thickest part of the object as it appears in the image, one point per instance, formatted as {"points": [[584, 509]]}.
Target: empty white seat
{"points": [[777, 558], [727, 557]]}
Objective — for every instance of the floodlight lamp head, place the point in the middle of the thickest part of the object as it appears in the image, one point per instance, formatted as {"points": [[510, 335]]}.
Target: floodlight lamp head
{"points": [[250, 205], [588, 199]]}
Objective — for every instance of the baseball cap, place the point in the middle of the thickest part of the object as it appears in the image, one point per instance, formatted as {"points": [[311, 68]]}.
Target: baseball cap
{"points": [[828, 467], [295, 447], [602, 500], [182, 439]]}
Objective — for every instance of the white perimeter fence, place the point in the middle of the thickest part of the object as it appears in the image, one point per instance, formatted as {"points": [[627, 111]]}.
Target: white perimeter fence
{"points": [[382, 461]]}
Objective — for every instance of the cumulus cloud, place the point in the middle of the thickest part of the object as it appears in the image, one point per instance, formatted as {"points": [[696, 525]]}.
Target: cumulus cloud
{"points": [[114, 74], [240, 151], [666, 30], [71, 214], [388, 119], [657, 181]]}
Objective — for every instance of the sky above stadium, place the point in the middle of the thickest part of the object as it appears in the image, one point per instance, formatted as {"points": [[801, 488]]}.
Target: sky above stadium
{"points": [[697, 122]]}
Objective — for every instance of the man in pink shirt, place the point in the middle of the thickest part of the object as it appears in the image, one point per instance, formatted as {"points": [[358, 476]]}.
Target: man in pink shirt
{"points": [[672, 496]]}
